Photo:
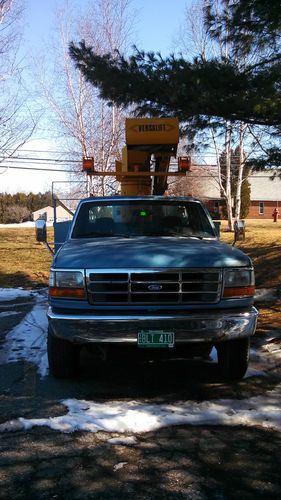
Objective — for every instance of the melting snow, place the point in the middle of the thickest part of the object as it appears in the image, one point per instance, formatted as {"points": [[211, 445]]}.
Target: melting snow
{"points": [[125, 441], [14, 293], [28, 339], [8, 313], [119, 466], [136, 417], [28, 223]]}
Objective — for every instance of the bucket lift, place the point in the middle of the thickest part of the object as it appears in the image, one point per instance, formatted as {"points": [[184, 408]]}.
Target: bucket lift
{"points": [[150, 144], [144, 169]]}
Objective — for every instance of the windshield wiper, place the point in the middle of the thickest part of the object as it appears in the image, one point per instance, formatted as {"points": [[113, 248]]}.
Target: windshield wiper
{"points": [[98, 235]]}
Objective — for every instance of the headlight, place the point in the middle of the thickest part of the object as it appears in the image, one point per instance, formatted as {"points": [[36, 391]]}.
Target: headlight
{"points": [[239, 282], [69, 284]]}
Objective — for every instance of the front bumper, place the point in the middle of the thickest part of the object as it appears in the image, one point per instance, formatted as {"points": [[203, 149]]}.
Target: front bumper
{"points": [[206, 326]]}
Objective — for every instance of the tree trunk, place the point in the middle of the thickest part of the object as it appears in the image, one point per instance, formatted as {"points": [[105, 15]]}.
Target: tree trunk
{"points": [[240, 171], [228, 199]]}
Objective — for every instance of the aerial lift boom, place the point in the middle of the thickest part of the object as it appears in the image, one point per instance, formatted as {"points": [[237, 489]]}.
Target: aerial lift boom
{"points": [[150, 144]]}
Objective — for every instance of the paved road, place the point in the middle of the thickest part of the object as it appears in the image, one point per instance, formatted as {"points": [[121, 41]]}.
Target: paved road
{"points": [[207, 462]]}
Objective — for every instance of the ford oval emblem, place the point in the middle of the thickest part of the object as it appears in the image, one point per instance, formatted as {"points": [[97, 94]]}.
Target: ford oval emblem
{"points": [[155, 288]]}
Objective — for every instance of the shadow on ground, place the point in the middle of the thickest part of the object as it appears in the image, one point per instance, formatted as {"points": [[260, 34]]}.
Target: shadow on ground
{"points": [[267, 264], [173, 463], [19, 279]]}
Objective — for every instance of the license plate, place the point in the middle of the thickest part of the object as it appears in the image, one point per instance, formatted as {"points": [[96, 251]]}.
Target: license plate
{"points": [[156, 338]]}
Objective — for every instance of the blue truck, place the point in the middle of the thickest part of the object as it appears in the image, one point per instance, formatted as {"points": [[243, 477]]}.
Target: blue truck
{"points": [[148, 276]]}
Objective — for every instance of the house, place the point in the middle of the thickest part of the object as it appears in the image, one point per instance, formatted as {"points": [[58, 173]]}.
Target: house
{"points": [[265, 195], [202, 182], [47, 213]]}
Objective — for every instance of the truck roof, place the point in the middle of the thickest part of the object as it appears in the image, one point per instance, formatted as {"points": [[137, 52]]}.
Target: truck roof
{"points": [[139, 198]]}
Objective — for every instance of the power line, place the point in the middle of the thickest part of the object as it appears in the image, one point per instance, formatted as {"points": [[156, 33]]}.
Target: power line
{"points": [[38, 160], [36, 168], [69, 160], [113, 173]]}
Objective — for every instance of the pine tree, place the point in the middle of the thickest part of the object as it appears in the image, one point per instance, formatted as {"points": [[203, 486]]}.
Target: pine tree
{"points": [[203, 92]]}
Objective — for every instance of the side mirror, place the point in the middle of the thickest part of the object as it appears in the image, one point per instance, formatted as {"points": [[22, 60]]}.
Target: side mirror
{"points": [[41, 231]]}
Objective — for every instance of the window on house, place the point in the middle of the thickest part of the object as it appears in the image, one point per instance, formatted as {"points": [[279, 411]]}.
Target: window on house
{"points": [[261, 207]]}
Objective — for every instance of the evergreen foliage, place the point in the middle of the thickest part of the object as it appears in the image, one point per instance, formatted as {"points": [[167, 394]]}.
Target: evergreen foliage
{"points": [[245, 198], [194, 91], [19, 207], [242, 86], [250, 23]]}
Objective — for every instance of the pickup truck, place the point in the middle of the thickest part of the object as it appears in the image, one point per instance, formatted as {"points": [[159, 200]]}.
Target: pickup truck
{"points": [[149, 276]]}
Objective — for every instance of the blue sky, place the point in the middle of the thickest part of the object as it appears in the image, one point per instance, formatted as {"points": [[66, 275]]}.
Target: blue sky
{"points": [[157, 23]]}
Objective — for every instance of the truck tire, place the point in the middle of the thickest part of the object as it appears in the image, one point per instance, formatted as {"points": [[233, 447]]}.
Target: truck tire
{"points": [[63, 357], [233, 358]]}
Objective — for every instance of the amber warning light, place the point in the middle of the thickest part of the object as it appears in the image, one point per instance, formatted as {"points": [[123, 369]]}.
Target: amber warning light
{"points": [[184, 163], [88, 164]]}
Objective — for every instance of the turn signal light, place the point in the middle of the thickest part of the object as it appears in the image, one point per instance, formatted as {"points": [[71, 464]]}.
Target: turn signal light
{"points": [[76, 293], [242, 291]]}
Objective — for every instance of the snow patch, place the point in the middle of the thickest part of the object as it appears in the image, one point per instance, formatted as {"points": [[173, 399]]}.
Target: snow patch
{"points": [[8, 313], [20, 224], [124, 441], [134, 417], [119, 466], [7, 294], [28, 339], [28, 223]]}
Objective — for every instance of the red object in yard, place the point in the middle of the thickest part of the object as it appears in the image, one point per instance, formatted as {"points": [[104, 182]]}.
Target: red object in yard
{"points": [[275, 214]]}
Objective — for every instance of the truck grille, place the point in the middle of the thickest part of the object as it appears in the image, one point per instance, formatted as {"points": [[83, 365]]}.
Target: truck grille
{"points": [[192, 286]]}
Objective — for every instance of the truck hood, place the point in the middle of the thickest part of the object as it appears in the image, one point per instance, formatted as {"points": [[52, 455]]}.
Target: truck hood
{"points": [[145, 252]]}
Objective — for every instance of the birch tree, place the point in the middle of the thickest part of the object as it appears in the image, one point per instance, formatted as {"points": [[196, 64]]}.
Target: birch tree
{"points": [[224, 135], [241, 165], [89, 126], [16, 121]]}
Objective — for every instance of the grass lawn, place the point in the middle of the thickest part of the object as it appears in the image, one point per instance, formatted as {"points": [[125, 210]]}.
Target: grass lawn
{"points": [[23, 261], [26, 263], [263, 245]]}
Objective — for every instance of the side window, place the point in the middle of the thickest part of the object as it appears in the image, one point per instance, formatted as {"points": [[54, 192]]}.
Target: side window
{"points": [[261, 207]]}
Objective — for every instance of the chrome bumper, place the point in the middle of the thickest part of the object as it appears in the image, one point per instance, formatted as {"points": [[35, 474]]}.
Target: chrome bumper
{"points": [[207, 326]]}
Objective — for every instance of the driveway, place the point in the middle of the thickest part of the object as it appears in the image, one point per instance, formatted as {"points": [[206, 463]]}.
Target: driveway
{"points": [[144, 430]]}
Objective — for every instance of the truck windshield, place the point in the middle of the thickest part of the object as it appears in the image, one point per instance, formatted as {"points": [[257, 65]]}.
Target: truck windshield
{"points": [[142, 218]]}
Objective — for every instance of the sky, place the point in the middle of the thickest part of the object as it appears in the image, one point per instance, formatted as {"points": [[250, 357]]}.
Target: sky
{"points": [[157, 23]]}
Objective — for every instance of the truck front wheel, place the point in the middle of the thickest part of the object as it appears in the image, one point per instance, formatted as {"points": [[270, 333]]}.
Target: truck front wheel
{"points": [[233, 358], [63, 357]]}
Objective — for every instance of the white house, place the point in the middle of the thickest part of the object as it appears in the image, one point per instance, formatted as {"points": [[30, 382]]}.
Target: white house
{"points": [[47, 213]]}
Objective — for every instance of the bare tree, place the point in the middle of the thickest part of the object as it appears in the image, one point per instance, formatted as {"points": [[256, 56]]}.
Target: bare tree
{"points": [[16, 214], [90, 127], [225, 136], [16, 121], [241, 164]]}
